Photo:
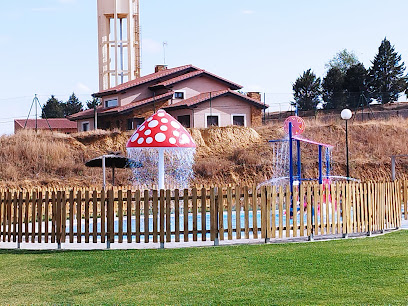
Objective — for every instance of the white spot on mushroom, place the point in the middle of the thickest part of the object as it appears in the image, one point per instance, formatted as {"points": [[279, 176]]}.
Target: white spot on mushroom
{"points": [[160, 137], [175, 124], [185, 138], [149, 119], [149, 140], [140, 140], [172, 140], [176, 133], [142, 127], [164, 120], [148, 132], [164, 128], [153, 123], [161, 113], [134, 137]]}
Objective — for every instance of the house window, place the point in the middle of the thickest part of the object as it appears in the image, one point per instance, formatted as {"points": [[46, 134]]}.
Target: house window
{"points": [[179, 95], [130, 124], [213, 120], [134, 123], [238, 120], [184, 120], [111, 103], [85, 126]]}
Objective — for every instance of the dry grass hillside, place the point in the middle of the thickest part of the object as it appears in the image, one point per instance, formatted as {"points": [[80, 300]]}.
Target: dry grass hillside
{"points": [[224, 155]]}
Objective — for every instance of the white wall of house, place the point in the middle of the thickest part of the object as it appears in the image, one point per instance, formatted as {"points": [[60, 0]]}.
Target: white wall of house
{"points": [[223, 107]]}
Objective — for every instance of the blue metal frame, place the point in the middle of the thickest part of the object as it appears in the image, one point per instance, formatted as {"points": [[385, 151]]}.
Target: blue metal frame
{"points": [[320, 166]]}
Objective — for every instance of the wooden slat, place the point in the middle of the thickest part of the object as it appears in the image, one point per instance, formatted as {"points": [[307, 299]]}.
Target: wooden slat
{"points": [[405, 199], [120, 216], [103, 216], [79, 215], [268, 211], [358, 208], [321, 200], [309, 204], [327, 202], [194, 203], [58, 217], [71, 216], [15, 214], [203, 214], [316, 198], [168, 215], [155, 211], [273, 212], [338, 209], [162, 213], [281, 198], [263, 212], [2, 220], [111, 215], [212, 214], [220, 209], [288, 205], [20, 216], [238, 212], [146, 215], [254, 201], [177, 215], [363, 199], [94, 216], [137, 213], [129, 215], [87, 199], [33, 216], [26, 218], [294, 209], [46, 215], [63, 217], [246, 212], [333, 208], [369, 207], [185, 217], [302, 210], [229, 212]]}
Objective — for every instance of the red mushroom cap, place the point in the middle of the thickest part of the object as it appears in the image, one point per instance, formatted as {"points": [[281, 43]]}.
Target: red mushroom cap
{"points": [[161, 131]]}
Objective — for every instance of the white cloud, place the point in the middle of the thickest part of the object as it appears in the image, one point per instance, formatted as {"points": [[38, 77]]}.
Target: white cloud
{"points": [[151, 46], [82, 88], [248, 12]]}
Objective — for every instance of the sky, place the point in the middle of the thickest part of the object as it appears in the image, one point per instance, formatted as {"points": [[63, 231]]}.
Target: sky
{"points": [[49, 47]]}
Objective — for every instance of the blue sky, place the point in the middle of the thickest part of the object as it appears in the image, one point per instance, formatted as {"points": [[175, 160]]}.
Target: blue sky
{"points": [[50, 46]]}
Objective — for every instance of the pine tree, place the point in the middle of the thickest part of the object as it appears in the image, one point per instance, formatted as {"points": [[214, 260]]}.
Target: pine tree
{"points": [[307, 91], [92, 103], [386, 76], [343, 60], [334, 94], [355, 85], [72, 106], [53, 108]]}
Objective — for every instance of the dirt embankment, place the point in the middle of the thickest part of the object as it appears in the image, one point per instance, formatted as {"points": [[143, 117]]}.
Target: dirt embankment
{"points": [[232, 155]]}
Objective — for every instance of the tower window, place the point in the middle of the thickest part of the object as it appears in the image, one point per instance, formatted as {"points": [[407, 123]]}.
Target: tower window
{"points": [[179, 95]]}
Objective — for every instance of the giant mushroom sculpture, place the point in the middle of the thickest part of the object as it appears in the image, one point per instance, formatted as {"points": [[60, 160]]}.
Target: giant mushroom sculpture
{"points": [[166, 150]]}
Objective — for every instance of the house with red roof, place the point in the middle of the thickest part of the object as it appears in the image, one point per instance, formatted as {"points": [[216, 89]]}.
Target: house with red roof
{"points": [[62, 125], [195, 97]]}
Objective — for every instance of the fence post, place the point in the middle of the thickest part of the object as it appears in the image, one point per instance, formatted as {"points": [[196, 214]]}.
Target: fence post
{"points": [[58, 221], [345, 209]]}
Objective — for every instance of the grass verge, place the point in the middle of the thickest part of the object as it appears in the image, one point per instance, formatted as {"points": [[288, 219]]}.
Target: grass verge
{"points": [[354, 271]]}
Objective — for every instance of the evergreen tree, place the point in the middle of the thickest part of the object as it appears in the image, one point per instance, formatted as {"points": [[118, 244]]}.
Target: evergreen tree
{"points": [[72, 106], [355, 85], [334, 94], [343, 60], [307, 91], [53, 108], [386, 75], [92, 103]]}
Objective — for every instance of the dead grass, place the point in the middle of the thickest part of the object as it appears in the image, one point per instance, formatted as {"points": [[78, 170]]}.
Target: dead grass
{"points": [[230, 155]]}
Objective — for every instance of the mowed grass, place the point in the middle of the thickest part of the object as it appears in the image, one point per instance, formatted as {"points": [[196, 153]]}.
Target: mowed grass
{"points": [[354, 271]]}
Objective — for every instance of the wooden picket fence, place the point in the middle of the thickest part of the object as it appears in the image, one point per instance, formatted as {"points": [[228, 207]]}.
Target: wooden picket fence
{"points": [[200, 214]]}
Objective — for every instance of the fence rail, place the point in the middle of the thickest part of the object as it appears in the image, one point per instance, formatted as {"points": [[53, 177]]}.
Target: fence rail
{"points": [[217, 213]]}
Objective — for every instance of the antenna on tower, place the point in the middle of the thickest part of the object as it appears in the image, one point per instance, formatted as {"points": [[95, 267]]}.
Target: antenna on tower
{"points": [[35, 103], [164, 51]]}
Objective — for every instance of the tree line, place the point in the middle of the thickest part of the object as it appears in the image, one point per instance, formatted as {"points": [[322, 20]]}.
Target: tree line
{"points": [[55, 108], [349, 84]]}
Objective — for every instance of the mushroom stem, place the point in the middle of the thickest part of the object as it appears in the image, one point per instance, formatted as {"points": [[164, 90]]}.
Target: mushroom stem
{"points": [[161, 168]]}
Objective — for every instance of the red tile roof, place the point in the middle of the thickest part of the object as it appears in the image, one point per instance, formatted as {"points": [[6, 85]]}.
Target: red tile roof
{"points": [[89, 113], [55, 123], [214, 94], [194, 74], [144, 79]]}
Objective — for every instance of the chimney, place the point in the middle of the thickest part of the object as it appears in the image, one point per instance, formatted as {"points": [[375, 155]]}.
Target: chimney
{"points": [[254, 95], [159, 68]]}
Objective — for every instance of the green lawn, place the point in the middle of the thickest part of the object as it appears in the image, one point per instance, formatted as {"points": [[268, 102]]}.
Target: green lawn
{"points": [[354, 271]]}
